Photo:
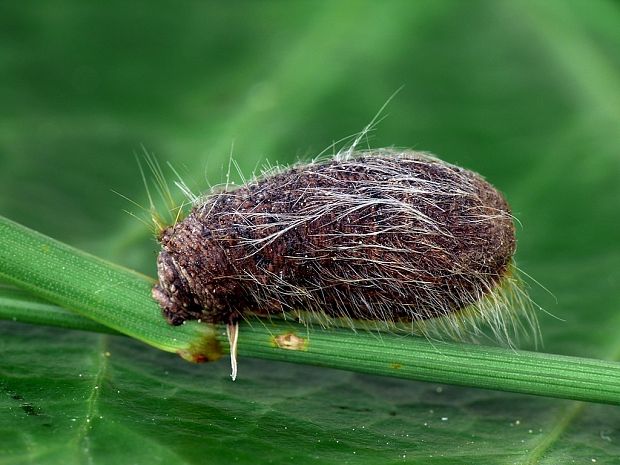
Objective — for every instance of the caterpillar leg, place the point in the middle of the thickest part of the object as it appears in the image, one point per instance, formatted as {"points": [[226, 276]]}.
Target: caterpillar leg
{"points": [[232, 331]]}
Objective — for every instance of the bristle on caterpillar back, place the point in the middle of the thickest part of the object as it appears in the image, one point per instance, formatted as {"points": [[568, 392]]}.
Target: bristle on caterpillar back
{"points": [[378, 239], [163, 209]]}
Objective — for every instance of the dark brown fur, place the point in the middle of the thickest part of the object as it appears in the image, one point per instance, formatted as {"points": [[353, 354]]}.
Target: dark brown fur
{"points": [[410, 238]]}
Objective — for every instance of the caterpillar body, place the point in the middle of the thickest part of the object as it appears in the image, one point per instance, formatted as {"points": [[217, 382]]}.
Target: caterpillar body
{"points": [[385, 235]]}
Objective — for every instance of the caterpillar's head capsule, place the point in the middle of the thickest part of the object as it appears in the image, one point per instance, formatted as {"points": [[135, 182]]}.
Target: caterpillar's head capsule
{"points": [[174, 292]]}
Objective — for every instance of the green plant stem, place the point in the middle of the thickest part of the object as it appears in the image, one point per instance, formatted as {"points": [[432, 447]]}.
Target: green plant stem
{"points": [[122, 302], [22, 307], [453, 363], [388, 355]]}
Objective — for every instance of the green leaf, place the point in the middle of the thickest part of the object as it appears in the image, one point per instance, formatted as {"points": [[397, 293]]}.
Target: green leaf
{"points": [[527, 93]]}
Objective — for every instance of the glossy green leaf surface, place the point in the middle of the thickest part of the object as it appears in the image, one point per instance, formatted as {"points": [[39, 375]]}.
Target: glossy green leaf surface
{"points": [[526, 93]]}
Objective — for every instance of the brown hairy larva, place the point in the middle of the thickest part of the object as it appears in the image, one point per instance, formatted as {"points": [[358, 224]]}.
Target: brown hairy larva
{"points": [[390, 236]]}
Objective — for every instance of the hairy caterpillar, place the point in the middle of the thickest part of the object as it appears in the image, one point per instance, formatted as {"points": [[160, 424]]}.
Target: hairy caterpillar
{"points": [[389, 236]]}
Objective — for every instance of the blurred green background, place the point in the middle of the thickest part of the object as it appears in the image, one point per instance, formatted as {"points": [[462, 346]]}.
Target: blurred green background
{"points": [[525, 92]]}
